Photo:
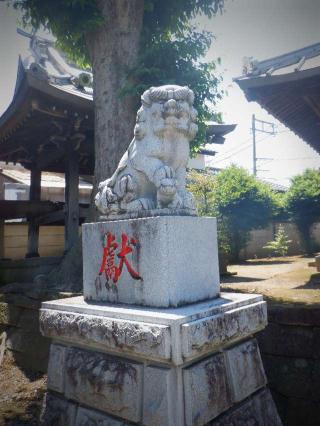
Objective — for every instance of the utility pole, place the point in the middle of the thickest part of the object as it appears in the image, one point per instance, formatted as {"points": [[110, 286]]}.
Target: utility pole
{"points": [[263, 127], [254, 152]]}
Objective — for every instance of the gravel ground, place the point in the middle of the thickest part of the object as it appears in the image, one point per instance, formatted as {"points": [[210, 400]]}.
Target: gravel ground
{"points": [[21, 394], [286, 280], [282, 279]]}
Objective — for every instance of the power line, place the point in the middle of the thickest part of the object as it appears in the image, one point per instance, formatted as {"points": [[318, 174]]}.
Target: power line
{"points": [[262, 127], [239, 150], [237, 147], [243, 146], [297, 158], [231, 155]]}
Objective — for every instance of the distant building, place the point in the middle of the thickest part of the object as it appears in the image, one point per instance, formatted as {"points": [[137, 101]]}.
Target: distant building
{"points": [[288, 87], [16, 185], [47, 148]]}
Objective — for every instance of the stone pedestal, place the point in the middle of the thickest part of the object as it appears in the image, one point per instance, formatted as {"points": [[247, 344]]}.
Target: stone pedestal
{"points": [[179, 354], [117, 365], [173, 261]]}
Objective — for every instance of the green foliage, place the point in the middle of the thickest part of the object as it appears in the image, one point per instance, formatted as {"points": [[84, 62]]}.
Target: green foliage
{"points": [[202, 186], [170, 51], [247, 202], [68, 20], [280, 212], [280, 244], [244, 203], [239, 201], [303, 203]]}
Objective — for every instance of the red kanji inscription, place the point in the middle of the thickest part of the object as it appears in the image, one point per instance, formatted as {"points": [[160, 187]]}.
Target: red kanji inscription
{"points": [[108, 266]]}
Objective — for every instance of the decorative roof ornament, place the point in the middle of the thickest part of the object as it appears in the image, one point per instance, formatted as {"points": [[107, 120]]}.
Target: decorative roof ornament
{"points": [[47, 63]]}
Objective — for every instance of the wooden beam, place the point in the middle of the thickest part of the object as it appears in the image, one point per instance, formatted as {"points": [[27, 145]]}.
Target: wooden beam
{"points": [[1, 220], [33, 228], [49, 156], [84, 212], [18, 209], [313, 103], [59, 216], [2, 253], [52, 217], [71, 196]]}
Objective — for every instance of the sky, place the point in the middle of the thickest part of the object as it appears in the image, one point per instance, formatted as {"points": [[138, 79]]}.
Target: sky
{"points": [[261, 29], [257, 28]]}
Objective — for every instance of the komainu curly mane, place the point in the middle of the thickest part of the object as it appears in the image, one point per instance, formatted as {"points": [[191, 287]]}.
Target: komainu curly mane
{"points": [[152, 172]]}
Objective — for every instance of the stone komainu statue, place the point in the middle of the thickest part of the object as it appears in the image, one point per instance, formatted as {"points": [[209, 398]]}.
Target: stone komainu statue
{"points": [[152, 172]]}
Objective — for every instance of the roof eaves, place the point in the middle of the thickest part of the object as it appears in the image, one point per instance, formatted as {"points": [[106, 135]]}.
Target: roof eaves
{"points": [[268, 66], [250, 83]]}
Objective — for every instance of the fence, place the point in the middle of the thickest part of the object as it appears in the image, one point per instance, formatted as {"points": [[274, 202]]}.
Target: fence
{"points": [[260, 237]]}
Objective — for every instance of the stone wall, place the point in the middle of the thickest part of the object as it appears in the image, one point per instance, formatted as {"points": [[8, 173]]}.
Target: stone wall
{"points": [[19, 319], [290, 350], [260, 237]]}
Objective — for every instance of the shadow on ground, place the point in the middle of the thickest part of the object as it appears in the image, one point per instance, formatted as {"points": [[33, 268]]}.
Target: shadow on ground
{"points": [[236, 279], [21, 396], [29, 417], [266, 262], [312, 284]]}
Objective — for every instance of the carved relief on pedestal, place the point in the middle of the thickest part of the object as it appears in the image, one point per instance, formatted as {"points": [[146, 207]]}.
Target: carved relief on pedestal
{"points": [[152, 172]]}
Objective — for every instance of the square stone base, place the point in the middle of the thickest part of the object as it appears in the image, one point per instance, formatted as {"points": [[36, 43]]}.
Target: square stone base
{"points": [[117, 365], [159, 261]]}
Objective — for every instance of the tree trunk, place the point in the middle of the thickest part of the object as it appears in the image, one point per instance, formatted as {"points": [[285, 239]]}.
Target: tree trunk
{"points": [[114, 49]]}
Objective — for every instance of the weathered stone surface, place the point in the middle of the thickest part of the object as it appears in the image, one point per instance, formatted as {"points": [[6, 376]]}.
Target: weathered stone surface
{"points": [[166, 276], [206, 392], [316, 343], [240, 415], [9, 314], [3, 337], [159, 397], [169, 393], [209, 333], [152, 172], [23, 341], [297, 411], [86, 417], [32, 360], [20, 300], [257, 411], [316, 381], [56, 368], [292, 377], [293, 341], [57, 411], [151, 332], [151, 340], [104, 382], [245, 370], [294, 315], [265, 406], [29, 320]]}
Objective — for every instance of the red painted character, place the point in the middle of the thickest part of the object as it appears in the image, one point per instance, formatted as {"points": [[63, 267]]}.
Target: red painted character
{"points": [[108, 266]]}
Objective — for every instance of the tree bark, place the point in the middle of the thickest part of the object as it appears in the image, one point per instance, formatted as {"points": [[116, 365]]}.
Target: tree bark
{"points": [[114, 49]]}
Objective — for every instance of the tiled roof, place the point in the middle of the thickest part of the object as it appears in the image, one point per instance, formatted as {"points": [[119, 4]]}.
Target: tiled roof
{"points": [[296, 61], [48, 179]]}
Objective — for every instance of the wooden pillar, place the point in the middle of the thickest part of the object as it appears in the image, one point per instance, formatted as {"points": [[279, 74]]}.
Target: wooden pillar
{"points": [[1, 221], [2, 239], [71, 197], [33, 227]]}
